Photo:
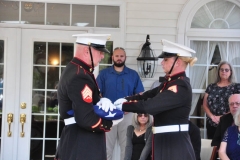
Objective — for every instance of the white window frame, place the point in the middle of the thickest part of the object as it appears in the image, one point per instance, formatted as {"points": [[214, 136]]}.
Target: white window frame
{"points": [[185, 34]]}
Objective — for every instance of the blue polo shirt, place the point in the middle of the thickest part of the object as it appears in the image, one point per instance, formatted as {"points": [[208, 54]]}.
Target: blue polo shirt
{"points": [[114, 85]]}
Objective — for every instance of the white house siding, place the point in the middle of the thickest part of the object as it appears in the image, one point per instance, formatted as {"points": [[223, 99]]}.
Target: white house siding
{"points": [[158, 18]]}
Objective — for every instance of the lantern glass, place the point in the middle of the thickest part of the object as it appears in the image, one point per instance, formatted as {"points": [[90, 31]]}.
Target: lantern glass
{"points": [[147, 63]]}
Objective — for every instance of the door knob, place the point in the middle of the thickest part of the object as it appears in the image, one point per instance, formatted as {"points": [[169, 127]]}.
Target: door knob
{"points": [[9, 120], [22, 121]]}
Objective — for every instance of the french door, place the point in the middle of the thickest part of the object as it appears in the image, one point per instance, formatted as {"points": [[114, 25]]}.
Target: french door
{"points": [[31, 63]]}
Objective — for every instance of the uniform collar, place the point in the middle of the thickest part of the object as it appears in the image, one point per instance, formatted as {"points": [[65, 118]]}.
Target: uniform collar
{"points": [[82, 64], [175, 76]]}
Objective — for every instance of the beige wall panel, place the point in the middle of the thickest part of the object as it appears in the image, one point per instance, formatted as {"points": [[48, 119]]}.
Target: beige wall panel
{"points": [[133, 61], [151, 22], [159, 72], [160, 1], [134, 45], [153, 37], [151, 30], [136, 52], [154, 7], [133, 52], [158, 18], [152, 15], [138, 45]]}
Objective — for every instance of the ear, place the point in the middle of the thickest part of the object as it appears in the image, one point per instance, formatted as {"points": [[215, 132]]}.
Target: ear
{"points": [[86, 50], [178, 62]]}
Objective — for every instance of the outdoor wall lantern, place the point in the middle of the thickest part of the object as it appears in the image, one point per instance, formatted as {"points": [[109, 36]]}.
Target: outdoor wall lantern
{"points": [[146, 61]]}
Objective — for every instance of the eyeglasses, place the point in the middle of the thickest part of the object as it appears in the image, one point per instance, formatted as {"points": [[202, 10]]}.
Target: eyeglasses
{"points": [[224, 69], [236, 103], [141, 114], [119, 48]]}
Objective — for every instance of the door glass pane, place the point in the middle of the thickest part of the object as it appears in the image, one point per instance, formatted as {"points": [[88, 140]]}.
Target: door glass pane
{"points": [[11, 9], [107, 61], [67, 53], [46, 123], [108, 16], [39, 63], [83, 15], [58, 14], [33, 13]]}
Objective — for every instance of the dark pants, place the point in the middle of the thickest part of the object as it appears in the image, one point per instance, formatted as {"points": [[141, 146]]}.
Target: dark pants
{"points": [[210, 131]]}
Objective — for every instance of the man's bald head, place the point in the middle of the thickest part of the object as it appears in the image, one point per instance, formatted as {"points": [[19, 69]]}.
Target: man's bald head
{"points": [[234, 103]]}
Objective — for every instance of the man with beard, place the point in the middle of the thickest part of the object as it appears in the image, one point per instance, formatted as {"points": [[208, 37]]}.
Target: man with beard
{"points": [[115, 82]]}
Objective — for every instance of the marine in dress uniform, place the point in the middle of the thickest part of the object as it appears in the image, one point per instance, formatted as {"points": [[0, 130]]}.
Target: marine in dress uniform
{"points": [[170, 105], [83, 136]]}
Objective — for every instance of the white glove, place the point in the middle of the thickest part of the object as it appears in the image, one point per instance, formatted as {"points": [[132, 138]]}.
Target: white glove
{"points": [[115, 122], [106, 104], [118, 103]]}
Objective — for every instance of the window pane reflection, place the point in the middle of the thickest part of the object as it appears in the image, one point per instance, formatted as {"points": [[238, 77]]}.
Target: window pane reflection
{"points": [[83, 15], [53, 53], [53, 102], [39, 77], [38, 101], [67, 53], [108, 16], [108, 57], [58, 14], [52, 77], [39, 52], [33, 13], [11, 9]]}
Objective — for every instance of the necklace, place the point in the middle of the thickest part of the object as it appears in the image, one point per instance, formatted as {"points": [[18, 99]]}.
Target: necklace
{"points": [[141, 130]]}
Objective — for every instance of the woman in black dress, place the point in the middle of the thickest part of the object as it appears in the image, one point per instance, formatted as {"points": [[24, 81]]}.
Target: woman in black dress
{"points": [[215, 102], [139, 138]]}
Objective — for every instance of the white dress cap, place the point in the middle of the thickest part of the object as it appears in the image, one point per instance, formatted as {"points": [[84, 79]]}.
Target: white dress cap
{"points": [[97, 41], [171, 49]]}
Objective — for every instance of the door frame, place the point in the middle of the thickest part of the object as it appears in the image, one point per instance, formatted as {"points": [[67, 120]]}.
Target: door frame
{"points": [[12, 50]]}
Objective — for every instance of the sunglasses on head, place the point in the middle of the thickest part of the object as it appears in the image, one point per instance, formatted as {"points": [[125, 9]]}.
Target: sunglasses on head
{"points": [[224, 69], [142, 114]]}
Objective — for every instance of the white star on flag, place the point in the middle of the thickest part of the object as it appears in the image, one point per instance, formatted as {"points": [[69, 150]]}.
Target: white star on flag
{"points": [[110, 114], [100, 107]]}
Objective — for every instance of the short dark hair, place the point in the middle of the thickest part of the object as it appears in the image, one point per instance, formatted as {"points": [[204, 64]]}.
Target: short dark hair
{"points": [[117, 48]]}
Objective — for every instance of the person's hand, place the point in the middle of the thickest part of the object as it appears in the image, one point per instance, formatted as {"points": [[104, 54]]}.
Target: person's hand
{"points": [[215, 119], [118, 103], [218, 118], [115, 122], [106, 104]]}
